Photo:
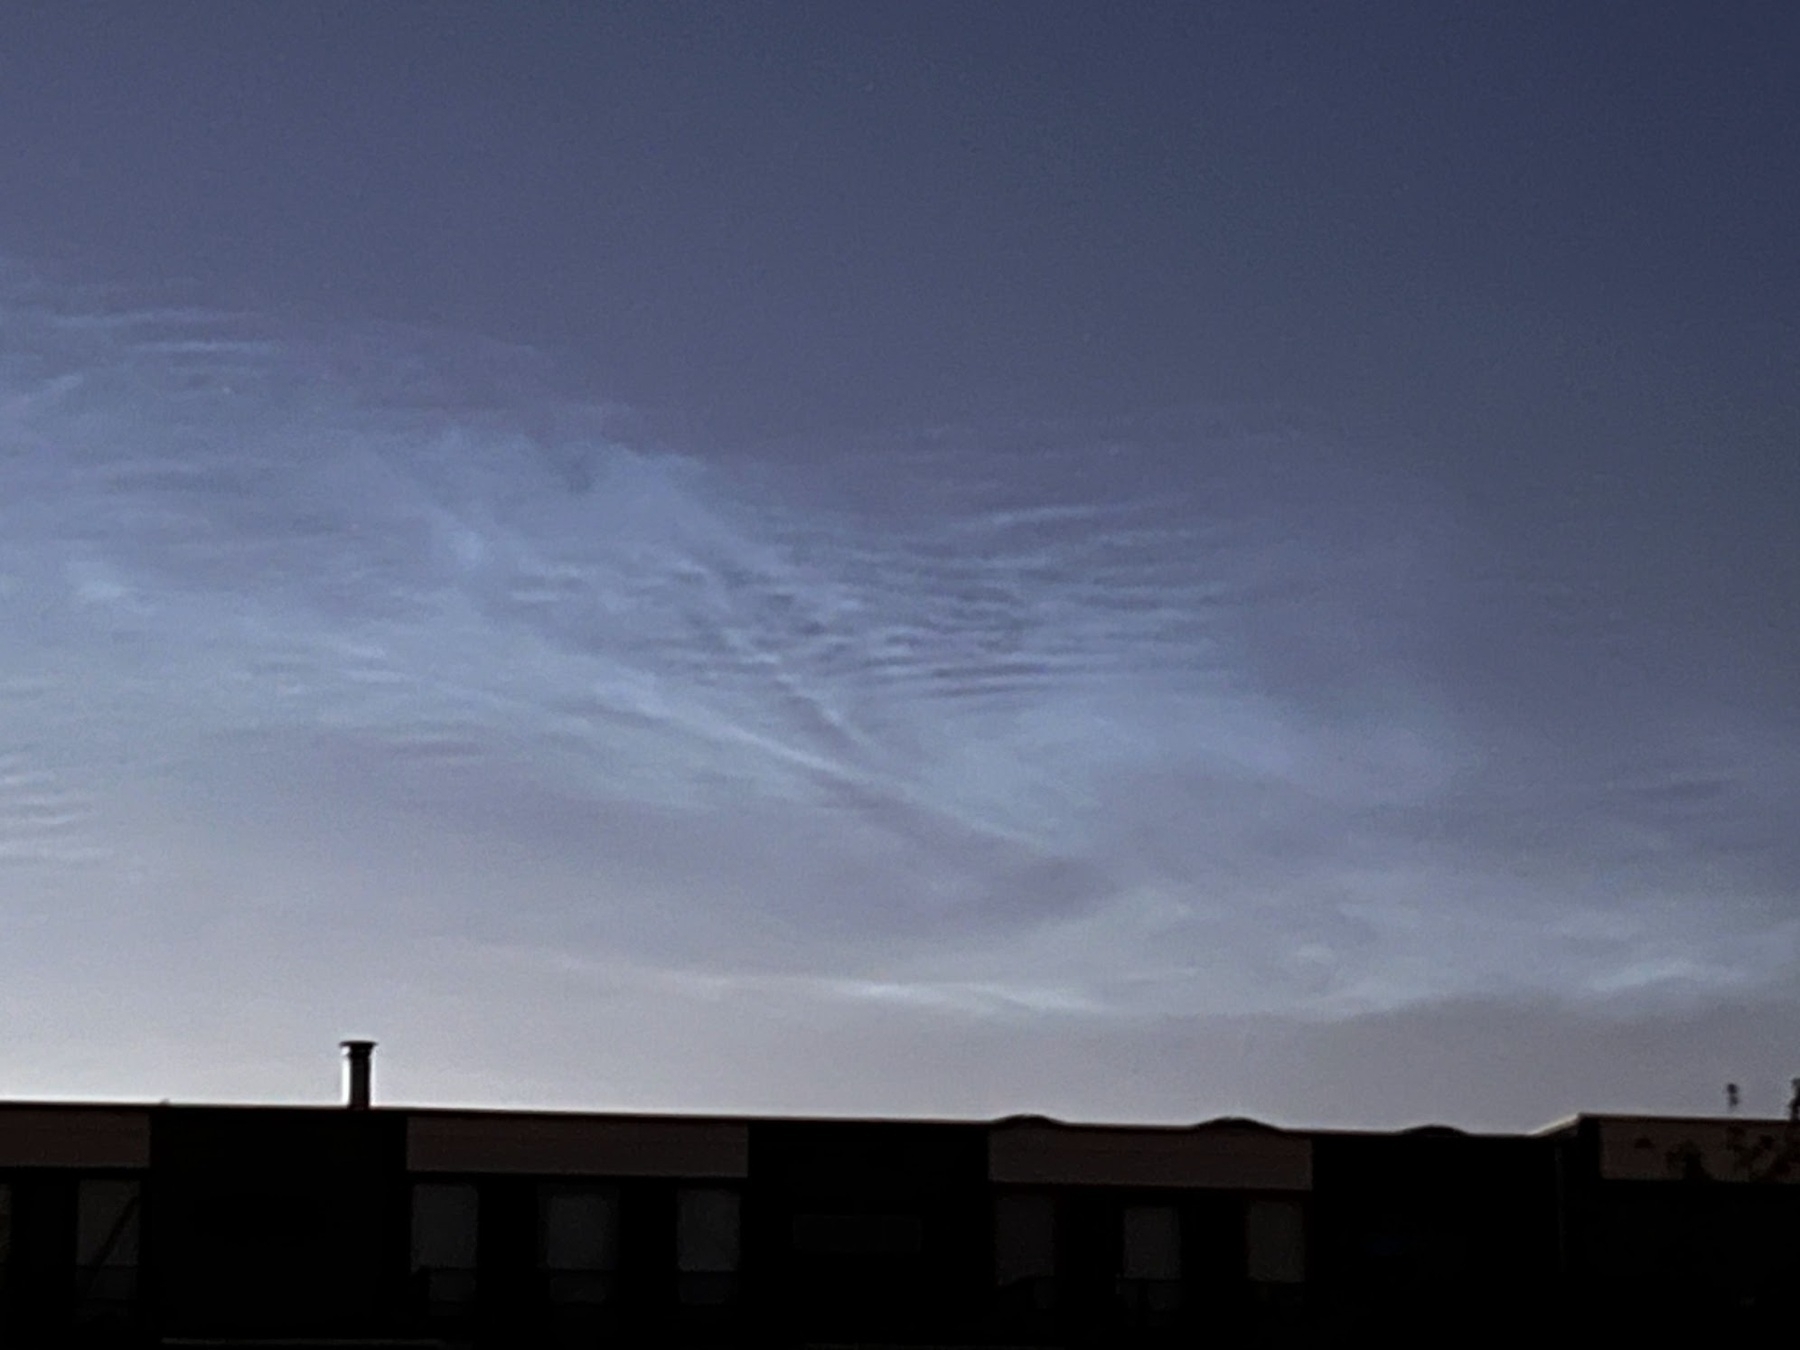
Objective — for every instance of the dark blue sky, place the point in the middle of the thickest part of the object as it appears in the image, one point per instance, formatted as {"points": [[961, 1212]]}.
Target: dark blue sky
{"points": [[974, 543], [1558, 216]]}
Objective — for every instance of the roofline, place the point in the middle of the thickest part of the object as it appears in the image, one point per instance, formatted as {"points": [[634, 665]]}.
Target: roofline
{"points": [[1563, 1125], [718, 1118], [1648, 1118]]}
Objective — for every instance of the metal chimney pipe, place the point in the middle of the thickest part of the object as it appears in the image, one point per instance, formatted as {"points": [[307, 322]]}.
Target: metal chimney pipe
{"points": [[357, 1062]]}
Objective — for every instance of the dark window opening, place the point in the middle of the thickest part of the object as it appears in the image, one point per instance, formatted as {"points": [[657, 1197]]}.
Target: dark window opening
{"points": [[578, 1242], [1025, 1252], [444, 1231], [1275, 1242], [708, 1244], [6, 1211], [107, 1220], [1150, 1259]]}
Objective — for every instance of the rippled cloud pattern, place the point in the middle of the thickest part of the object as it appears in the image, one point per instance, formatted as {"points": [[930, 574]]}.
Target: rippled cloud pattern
{"points": [[366, 675]]}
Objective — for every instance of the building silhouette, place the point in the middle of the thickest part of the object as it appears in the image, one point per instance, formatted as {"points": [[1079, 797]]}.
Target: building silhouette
{"points": [[132, 1225]]}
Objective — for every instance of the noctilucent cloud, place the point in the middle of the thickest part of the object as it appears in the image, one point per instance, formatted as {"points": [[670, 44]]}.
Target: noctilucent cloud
{"points": [[971, 559]]}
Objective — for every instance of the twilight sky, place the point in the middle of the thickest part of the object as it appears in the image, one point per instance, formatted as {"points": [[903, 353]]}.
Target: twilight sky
{"points": [[1131, 561]]}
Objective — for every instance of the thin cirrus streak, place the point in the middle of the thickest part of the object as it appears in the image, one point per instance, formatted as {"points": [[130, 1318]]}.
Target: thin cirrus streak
{"points": [[1041, 719]]}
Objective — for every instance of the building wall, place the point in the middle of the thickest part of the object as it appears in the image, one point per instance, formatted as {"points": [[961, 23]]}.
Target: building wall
{"points": [[267, 1218], [129, 1225], [1685, 1221], [1416, 1228]]}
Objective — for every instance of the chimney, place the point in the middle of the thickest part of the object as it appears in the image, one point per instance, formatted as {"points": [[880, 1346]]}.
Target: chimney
{"points": [[357, 1059]]}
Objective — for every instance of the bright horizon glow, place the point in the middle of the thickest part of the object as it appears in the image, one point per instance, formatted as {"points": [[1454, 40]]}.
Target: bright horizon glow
{"points": [[310, 680]]}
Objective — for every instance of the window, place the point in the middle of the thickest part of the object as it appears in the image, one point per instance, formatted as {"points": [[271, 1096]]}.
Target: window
{"points": [[1152, 1246], [106, 1247], [1025, 1250], [1150, 1258], [444, 1231], [1275, 1242], [5, 1242], [708, 1223], [578, 1243]]}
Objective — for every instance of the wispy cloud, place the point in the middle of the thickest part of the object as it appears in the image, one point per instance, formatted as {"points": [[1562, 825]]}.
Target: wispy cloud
{"points": [[1034, 721]]}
